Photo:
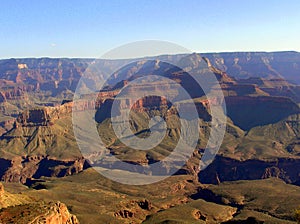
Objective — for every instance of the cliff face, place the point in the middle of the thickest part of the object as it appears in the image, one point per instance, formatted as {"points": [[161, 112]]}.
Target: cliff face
{"points": [[143, 104], [258, 64], [226, 169], [22, 170], [44, 143], [148, 103], [248, 112], [43, 116], [38, 117]]}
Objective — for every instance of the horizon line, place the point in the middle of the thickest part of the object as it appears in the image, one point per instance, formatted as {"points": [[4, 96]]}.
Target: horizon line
{"points": [[93, 58]]}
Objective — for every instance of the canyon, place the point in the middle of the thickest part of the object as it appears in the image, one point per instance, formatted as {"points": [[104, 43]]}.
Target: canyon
{"points": [[261, 143]]}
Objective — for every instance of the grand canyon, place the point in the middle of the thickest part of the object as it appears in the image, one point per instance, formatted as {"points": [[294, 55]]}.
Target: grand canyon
{"points": [[254, 178]]}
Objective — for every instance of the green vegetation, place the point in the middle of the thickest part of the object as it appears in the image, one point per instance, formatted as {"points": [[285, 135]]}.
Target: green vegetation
{"points": [[270, 196], [169, 201]]}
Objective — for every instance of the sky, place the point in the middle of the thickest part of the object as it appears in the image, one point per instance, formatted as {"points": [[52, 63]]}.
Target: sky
{"points": [[90, 28]]}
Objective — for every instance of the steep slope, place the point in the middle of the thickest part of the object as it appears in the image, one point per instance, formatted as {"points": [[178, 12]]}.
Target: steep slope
{"points": [[41, 143], [248, 112]]}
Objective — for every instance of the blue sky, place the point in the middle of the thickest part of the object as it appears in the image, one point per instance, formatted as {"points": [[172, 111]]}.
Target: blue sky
{"points": [[89, 28]]}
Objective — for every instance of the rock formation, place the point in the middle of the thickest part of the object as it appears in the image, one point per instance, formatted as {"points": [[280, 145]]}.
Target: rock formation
{"points": [[18, 208]]}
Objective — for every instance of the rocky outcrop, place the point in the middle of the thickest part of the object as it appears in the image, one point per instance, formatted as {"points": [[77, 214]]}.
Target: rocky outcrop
{"points": [[43, 116], [19, 93], [38, 212], [148, 102], [133, 210], [57, 213], [19, 208], [1, 190], [6, 125]]}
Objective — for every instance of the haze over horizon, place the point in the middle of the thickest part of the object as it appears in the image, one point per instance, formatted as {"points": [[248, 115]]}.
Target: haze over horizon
{"points": [[88, 29], [70, 57]]}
